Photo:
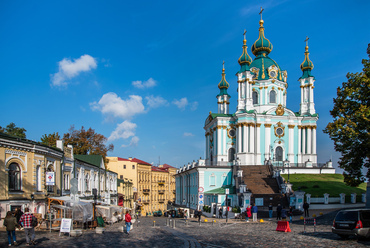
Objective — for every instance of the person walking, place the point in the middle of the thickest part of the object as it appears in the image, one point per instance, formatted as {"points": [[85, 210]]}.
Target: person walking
{"points": [[29, 229], [220, 213], [290, 214], [270, 211], [248, 213], [306, 206], [254, 212], [128, 222], [18, 213], [11, 223], [278, 212], [199, 214]]}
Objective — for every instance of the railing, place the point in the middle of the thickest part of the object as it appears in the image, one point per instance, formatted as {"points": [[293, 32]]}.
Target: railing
{"points": [[298, 165], [146, 191], [161, 182], [161, 200]]}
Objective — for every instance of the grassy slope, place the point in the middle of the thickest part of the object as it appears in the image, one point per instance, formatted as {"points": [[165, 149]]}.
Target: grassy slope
{"points": [[328, 183]]}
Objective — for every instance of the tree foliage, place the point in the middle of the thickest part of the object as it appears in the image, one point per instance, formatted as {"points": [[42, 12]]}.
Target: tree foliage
{"points": [[50, 139], [13, 130], [350, 129], [87, 142]]}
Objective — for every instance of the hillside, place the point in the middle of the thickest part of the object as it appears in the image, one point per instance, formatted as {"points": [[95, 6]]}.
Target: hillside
{"points": [[317, 185]]}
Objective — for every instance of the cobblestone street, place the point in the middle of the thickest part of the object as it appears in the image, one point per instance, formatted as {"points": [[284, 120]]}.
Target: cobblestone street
{"points": [[219, 234]]}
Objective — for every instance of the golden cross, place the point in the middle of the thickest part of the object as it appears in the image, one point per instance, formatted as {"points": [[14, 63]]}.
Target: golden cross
{"points": [[223, 64], [245, 31], [261, 12], [306, 40]]}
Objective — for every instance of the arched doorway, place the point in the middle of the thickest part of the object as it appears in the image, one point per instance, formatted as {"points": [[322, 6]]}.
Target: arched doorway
{"points": [[279, 153], [231, 155]]}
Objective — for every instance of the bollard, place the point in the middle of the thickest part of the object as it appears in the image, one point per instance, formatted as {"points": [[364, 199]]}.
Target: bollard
{"points": [[167, 222], [314, 225], [304, 225], [154, 223], [174, 224], [186, 223]]}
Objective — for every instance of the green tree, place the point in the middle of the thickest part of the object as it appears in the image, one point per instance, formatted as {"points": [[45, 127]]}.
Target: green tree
{"points": [[50, 139], [13, 130], [350, 129], [87, 142]]}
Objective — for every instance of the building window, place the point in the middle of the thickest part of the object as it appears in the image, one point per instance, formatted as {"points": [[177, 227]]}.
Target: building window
{"points": [[279, 153], [124, 166], [255, 97], [231, 155], [272, 96], [38, 178], [121, 177], [14, 177], [212, 180], [133, 167], [66, 182]]}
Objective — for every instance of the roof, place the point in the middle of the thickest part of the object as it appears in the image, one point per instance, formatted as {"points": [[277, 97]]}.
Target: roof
{"points": [[91, 159], [154, 168], [168, 166], [221, 191], [134, 160]]}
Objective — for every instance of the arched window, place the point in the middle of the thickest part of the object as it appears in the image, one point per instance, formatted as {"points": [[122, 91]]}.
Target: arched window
{"points": [[87, 184], [212, 180], [272, 96], [14, 177], [279, 153], [255, 97], [231, 156]]}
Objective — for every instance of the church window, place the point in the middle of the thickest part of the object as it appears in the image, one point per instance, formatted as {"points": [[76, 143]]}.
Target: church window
{"points": [[255, 97], [14, 177], [279, 153], [212, 180], [231, 155], [272, 96]]}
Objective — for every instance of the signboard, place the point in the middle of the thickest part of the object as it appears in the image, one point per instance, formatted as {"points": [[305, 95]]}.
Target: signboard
{"points": [[65, 225], [201, 202], [227, 191], [201, 196], [200, 189], [201, 199], [50, 178]]}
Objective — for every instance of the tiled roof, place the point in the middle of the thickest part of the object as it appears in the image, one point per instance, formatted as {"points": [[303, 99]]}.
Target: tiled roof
{"points": [[168, 166], [154, 168], [134, 160]]}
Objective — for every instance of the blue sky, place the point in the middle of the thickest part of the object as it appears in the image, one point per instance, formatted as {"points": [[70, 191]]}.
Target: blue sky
{"points": [[145, 73]]}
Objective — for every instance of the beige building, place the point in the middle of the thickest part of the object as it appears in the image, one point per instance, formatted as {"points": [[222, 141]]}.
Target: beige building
{"points": [[29, 173]]}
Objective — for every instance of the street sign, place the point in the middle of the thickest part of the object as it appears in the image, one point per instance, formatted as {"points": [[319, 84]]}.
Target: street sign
{"points": [[201, 202], [200, 189], [227, 191], [201, 196]]}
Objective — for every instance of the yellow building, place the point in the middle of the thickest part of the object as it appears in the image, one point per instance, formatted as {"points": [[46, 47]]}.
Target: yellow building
{"points": [[29, 173], [144, 186]]}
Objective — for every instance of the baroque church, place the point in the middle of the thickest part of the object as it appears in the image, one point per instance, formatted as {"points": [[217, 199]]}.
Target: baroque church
{"points": [[263, 128]]}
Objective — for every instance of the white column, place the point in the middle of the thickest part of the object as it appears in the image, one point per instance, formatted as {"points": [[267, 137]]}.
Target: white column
{"points": [[258, 137], [267, 140], [299, 143], [302, 94], [303, 140], [314, 140], [252, 138], [309, 138], [214, 143], [219, 152], [239, 141], [291, 143], [245, 137]]}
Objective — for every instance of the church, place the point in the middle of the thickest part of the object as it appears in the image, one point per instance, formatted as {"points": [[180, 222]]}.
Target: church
{"points": [[247, 150]]}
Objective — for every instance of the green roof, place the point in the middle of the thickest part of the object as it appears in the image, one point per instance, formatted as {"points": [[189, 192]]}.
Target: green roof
{"points": [[221, 191], [91, 159], [214, 115]]}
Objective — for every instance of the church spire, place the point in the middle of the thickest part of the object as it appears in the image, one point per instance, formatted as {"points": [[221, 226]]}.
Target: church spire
{"points": [[307, 64], [223, 97], [261, 46], [244, 60]]}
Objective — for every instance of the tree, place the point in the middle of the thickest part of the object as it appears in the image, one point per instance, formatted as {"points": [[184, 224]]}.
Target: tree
{"points": [[13, 130], [350, 129], [87, 142], [50, 139]]}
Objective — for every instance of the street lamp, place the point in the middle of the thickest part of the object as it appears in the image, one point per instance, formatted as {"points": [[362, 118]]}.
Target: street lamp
{"points": [[287, 164]]}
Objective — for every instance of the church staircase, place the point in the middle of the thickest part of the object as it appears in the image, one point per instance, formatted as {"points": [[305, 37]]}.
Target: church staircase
{"points": [[260, 183]]}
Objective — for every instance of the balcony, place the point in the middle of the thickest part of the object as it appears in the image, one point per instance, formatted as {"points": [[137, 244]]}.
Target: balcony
{"points": [[161, 200], [145, 201], [161, 191], [161, 182], [146, 191]]}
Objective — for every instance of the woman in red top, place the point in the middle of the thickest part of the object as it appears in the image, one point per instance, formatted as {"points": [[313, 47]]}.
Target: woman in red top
{"points": [[128, 221], [249, 213]]}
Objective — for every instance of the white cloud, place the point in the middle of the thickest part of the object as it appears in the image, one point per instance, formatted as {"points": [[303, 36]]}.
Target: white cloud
{"points": [[146, 84], [188, 134], [124, 130], [194, 106], [182, 103], [69, 69], [134, 142], [111, 104], [156, 101]]}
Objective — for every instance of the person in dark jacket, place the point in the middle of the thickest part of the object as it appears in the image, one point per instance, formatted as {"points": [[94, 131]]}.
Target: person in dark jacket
{"points": [[305, 207], [270, 211], [199, 215], [278, 212], [18, 213], [11, 223], [290, 214], [220, 213], [254, 212]]}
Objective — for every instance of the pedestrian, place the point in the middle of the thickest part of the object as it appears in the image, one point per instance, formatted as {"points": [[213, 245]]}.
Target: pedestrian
{"points": [[306, 206], [283, 214], [270, 211], [48, 218], [196, 214], [199, 214], [11, 223], [290, 214], [254, 212], [29, 229], [128, 221], [18, 213], [278, 212], [220, 213], [248, 213], [186, 214]]}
